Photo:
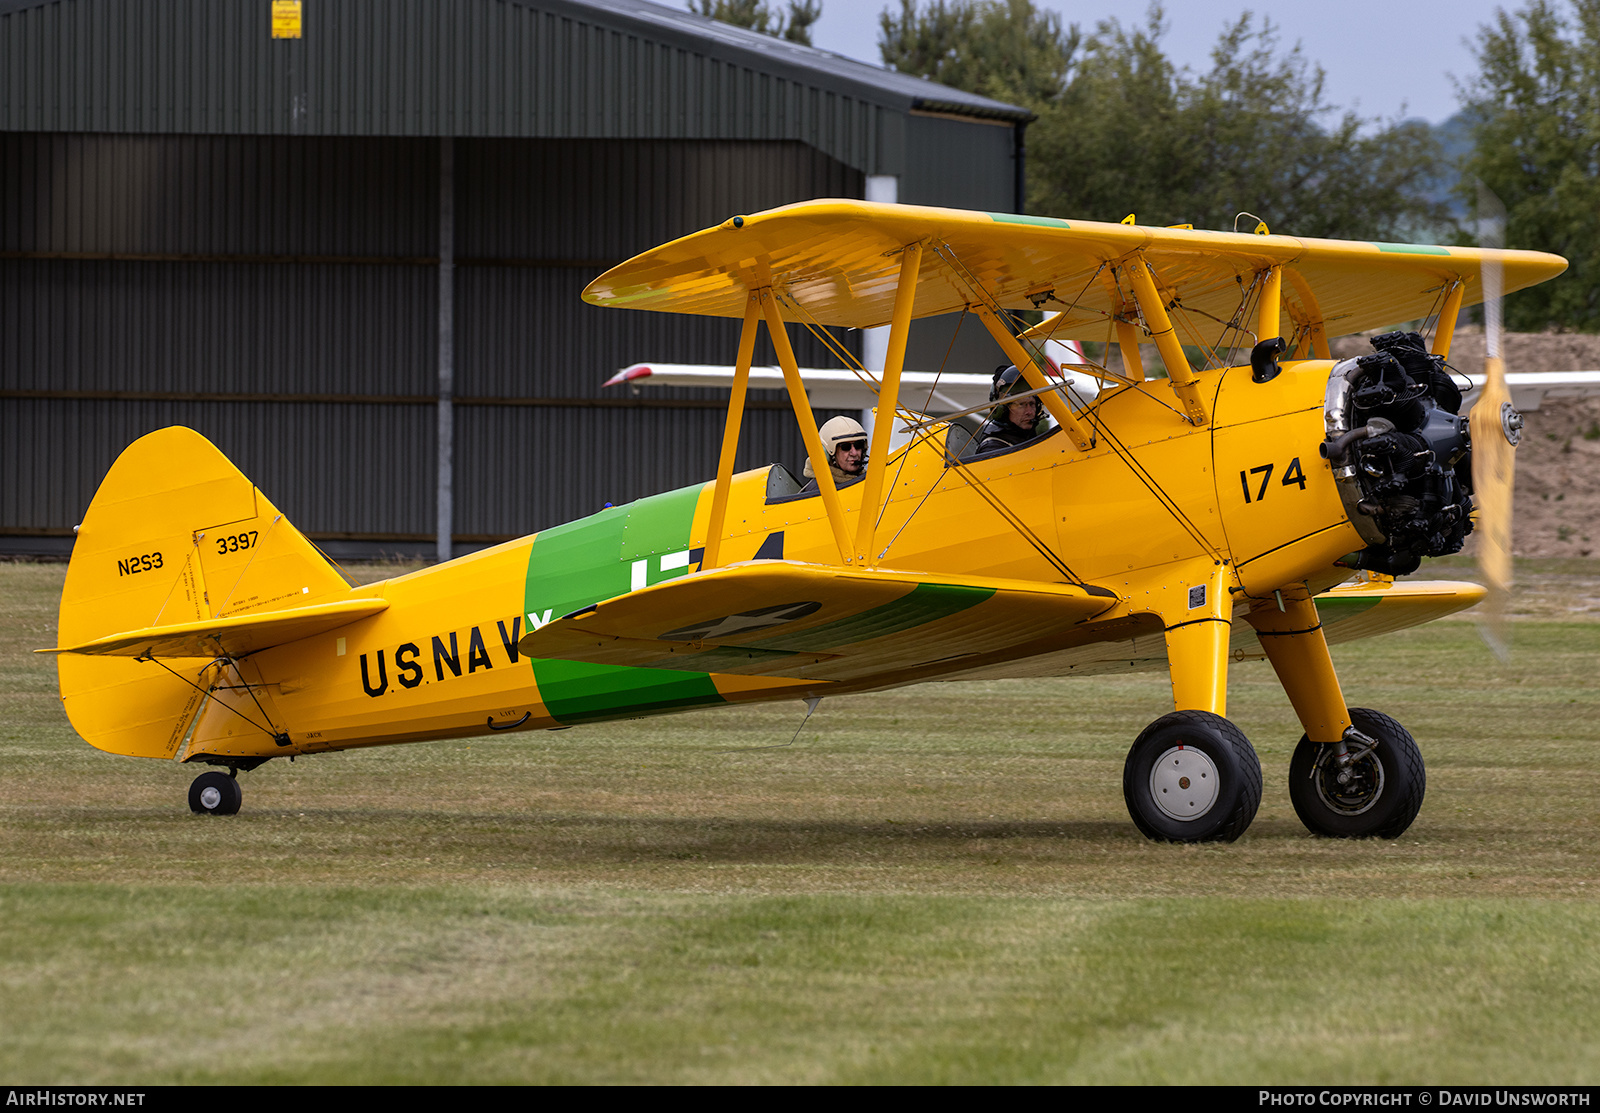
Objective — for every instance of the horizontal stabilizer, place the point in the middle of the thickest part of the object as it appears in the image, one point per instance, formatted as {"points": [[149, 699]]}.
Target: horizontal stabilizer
{"points": [[228, 637], [783, 618]]}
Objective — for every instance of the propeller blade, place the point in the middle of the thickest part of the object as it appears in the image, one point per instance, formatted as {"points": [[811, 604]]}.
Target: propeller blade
{"points": [[1495, 427]]}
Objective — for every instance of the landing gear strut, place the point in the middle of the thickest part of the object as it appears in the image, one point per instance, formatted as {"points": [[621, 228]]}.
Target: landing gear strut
{"points": [[214, 793]]}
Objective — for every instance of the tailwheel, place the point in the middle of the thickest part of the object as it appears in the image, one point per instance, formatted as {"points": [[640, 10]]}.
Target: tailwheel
{"points": [[1192, 777], [1374, 789], [215, 793]]}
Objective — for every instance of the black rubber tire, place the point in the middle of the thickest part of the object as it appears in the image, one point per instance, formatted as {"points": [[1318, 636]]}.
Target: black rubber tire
{"points": [[229, 794], [1372, 808], [1238, 794]]}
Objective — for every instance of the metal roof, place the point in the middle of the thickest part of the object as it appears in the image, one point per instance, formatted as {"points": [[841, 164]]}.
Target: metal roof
{"points": [[512, 68], [822, 66]]}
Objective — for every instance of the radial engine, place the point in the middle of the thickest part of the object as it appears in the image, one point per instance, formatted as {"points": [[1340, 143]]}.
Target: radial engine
{"points": [[1401, 454]]}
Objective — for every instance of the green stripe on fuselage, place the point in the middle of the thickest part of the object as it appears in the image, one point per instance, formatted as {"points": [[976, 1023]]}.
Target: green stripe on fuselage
{"points": [[590, 560]]}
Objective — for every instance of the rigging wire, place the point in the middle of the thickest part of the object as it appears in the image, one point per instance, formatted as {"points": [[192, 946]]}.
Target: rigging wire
{"points": [[933, 389], [1155, 488], [1004, 512], [811, 705], [1430, 322], [254, 552], [1097, 423], [864, 374], [337, 567], [835, 347], [1126, 454], [223, 661], [1016, 523], [1242, 313]]}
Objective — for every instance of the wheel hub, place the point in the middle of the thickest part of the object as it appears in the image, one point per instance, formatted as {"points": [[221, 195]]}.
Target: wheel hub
{"points": [[1353, 789], [1184, 783], [210, 797]]}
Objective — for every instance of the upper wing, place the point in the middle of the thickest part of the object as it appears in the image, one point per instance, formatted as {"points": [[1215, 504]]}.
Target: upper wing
{"points": [[839, 262], [783, 618]]}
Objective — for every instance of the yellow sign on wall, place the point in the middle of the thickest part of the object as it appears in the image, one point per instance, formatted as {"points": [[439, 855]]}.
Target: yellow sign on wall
{"points": [[286, 19]]}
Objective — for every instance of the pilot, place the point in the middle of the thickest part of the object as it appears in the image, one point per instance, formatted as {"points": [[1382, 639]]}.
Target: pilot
{"points": [[845, 442], [1010, 423]]}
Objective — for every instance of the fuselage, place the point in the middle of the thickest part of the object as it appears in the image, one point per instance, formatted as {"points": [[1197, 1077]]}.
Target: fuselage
{"points": [[1153, 496]]}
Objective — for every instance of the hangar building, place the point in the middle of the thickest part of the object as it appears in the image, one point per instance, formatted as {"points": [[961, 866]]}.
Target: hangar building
{"points": [[319, 233]]}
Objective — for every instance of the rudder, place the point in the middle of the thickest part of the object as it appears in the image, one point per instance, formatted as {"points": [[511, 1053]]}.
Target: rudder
{"points": [[175, 534]]}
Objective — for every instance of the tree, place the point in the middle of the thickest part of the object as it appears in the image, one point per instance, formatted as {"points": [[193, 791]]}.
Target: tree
{"points": [[1005, 49], [757, 16], [1534, 108], [1253, 134], [1120, 129]]}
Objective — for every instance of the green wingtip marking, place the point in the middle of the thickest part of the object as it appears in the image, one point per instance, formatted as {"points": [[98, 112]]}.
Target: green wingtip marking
{"points": [[1410, 248], [1019, 218], [1337, 610]]}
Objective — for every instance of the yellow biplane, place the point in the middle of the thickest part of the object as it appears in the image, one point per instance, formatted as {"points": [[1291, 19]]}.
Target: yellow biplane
{"points": [[1177, 521]]}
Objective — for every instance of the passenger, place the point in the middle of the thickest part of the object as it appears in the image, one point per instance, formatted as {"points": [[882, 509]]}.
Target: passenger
{"points": [[845, 442], [1011, 423]]}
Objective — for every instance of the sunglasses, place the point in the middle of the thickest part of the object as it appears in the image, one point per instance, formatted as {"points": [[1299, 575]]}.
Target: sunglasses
{"points": [[842, 446]]}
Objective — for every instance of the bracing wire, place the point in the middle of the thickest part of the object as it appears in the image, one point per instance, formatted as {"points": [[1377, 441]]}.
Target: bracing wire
{"points": [[811, 705], [933, 387], [1246, 303], [1431, 322], [1098, 424], [1016, 523], [224, 661], [831, 342], [253, 554], [917, 435], [337, 567], [979, 293], [1180, 319]]}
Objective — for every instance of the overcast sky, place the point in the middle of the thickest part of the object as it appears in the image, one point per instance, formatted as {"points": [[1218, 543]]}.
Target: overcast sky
{"points": [[1382, 57]]}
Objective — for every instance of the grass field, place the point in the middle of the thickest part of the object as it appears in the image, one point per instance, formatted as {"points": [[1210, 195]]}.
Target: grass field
{"points": [[938, 884]]}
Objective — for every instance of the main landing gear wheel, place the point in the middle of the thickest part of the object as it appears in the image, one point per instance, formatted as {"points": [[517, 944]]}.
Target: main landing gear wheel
{"points": [[1378, 793], [1192, 777], [215, 794]]}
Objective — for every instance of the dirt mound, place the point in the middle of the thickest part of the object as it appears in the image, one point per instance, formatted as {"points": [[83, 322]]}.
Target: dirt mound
{"points": [[1558, 462]]}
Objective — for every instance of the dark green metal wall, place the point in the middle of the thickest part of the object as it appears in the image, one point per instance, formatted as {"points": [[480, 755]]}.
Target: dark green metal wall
{"points": [[202, 225], [280, 296], [426, 67]]}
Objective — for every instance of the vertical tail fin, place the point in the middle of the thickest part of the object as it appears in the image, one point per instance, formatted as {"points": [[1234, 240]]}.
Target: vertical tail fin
{"points": [[175, 534]]}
